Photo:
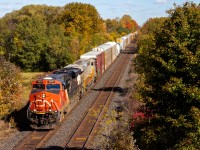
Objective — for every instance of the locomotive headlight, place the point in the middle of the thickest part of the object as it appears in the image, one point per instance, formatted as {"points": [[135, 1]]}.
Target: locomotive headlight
{"points": [[43, 95]]}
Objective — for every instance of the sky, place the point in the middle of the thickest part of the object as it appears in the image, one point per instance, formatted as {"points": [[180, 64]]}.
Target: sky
{"points": [[139, 10]]}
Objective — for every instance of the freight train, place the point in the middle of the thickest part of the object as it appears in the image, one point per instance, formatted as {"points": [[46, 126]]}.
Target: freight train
{"points": [[51, 96]]}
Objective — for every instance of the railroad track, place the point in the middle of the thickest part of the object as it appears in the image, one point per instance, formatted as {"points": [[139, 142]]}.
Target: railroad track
{"points": [[37, 138], [31, 141], [85, 131]]}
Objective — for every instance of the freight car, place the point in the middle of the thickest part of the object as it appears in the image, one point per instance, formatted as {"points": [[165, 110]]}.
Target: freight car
{"points": [[51, 96], [99, 58], [125, 40], [115, 49], [110, 50]]}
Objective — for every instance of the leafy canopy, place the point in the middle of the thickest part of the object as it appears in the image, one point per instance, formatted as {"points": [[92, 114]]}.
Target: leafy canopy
{"points": [[169, 67]]}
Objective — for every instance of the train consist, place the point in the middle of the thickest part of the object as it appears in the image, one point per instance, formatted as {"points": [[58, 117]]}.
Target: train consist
{"points": [[51, 96]]}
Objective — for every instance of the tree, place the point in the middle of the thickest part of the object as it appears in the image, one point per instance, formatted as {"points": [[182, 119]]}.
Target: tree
{"points": [[128, 23], [114, 133], [112, 24], [28, 42], [10, 88], [80, 18], [57, 53], [152, 25], [169, 67], [81, 22]]}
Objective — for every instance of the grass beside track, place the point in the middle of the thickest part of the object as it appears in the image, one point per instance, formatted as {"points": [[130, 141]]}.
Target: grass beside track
{"points": [[28, 77]]}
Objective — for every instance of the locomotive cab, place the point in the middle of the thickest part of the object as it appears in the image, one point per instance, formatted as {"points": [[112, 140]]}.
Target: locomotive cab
{"points": [[46, 102]]}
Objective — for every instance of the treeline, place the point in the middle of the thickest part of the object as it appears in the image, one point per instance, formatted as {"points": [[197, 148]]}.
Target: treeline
{"points": [[168, 64], [43, 38]]}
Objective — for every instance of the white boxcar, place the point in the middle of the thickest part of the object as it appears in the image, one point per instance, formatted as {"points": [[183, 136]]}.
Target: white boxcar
{"points": [[123, 42], [115, 50]]}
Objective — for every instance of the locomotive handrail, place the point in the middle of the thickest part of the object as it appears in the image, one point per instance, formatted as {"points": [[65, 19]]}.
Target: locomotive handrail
{"points": [[55, 104], [44, 101]]}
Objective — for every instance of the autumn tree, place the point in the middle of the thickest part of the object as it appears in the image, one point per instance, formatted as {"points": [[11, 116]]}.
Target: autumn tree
{"points": [[152, 25], [81, 18], [119, 27], [128, 23], [169, 66], [10, 88], [80, 21], [4, 33], [112, 24]]}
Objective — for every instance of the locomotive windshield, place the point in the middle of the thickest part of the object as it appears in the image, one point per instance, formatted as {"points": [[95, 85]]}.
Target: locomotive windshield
{"points": [[38, 86], [53, 88]]}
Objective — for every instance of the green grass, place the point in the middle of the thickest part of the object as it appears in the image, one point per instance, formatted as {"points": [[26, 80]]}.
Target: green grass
{"points": [[28, 77]]}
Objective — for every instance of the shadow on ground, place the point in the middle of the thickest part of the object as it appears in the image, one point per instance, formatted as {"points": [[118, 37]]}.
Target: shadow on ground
{"points": [[20, 118], [51, 148], [122, 91]]}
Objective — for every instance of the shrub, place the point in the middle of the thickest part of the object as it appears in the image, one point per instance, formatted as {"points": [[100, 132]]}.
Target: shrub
{"points": [[10, 88]]}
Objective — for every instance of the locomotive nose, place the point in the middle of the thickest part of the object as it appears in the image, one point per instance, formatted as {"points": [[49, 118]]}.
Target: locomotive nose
{"points": [[41, 102]]}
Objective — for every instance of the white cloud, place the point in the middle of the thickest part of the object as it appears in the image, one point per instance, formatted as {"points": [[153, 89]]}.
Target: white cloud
{"points": [[161, 1]]}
